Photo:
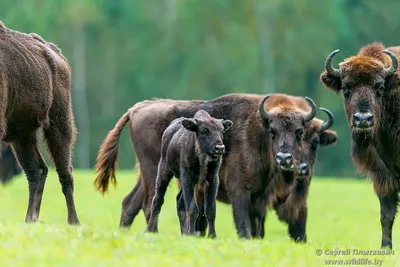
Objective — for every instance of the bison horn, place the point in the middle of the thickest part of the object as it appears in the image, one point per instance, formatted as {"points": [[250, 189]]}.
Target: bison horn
{"points": [[263, 113], [327, 124], [392, 69], [313, 111], [328, 64]]}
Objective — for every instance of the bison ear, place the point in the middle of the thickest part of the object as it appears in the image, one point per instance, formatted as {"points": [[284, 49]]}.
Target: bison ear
{"points": [[227, 125], [331, 83], [392, 82], [190, 124], [327, 138]]}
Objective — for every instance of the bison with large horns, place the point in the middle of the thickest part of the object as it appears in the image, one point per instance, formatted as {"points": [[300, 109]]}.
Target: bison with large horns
{"points": [[262, 148], [370, 85]]}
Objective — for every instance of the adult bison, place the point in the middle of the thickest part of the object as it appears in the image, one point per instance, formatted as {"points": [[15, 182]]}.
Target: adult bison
{"points": [[261, 146], [9, 166], [292, 208], [35, 93], [370, 87]]}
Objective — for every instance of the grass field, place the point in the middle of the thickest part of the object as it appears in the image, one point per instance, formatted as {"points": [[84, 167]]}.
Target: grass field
{"points": [[343, 214]]}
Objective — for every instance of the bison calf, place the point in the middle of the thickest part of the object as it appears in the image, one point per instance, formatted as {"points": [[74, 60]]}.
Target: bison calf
{"points": [[191, 150]]}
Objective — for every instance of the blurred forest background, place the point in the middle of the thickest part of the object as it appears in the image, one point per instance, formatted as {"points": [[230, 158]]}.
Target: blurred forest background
{"points": [[125, 51]]}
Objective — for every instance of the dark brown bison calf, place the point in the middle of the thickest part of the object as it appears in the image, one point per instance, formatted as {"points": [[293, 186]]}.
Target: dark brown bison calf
{"points": [[35, 86], [191, 150], [370, 84]]}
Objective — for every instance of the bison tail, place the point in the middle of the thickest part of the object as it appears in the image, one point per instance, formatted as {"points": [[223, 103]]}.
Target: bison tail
{"points": [[107, 158]]}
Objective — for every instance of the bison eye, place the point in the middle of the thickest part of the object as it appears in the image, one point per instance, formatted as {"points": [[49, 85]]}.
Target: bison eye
{"points": [[272, 133], [379, 88], [346, 92], [299, 135], [204, 131], [315, 143]]}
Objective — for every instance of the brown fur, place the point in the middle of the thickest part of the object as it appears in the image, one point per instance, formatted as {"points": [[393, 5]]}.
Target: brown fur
{"points": [[375, 150], [35, 84], [244, 173], [9, 166]]}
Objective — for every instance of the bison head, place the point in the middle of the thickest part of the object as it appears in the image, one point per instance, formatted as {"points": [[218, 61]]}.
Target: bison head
{"points": [[364, 80], [316, 134], [286, 127], [209, 132]]}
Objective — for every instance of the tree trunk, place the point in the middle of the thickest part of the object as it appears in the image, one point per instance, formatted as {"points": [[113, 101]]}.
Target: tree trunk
{"points": [[80, 99], [266, 48]]}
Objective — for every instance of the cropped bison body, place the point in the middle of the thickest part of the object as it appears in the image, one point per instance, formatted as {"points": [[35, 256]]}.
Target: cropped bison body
{"points": [[9, 166], [35, 93], [262, 149], [370, 83], [292, 208], [191, 150]]}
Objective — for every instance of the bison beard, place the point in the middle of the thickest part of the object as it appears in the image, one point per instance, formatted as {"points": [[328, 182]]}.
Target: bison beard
{"points": [[245, 177], [35, 93], [370, 86]]}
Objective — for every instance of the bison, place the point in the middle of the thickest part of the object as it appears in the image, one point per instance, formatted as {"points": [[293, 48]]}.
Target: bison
{"points": [[291, 209], [370, 83], [191, 150], [9, 166], [261, 146], [35, 93]]}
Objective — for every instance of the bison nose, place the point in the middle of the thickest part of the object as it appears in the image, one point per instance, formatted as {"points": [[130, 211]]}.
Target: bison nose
{"points": [[219, 149], [285, 160], [304, 169], [363, 120]]}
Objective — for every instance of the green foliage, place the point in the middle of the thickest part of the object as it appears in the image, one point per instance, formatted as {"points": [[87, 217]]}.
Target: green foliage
{"points": [[135, 50], [342, 215]]}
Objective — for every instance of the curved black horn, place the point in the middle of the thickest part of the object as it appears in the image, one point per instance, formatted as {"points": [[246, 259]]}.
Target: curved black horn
{"points": [[313, 111], [392, 69], [328, 64], [263, 113], [327, 124]]}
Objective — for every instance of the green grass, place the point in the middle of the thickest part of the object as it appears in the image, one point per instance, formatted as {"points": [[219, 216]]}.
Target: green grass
{"points": [[343, 214]]}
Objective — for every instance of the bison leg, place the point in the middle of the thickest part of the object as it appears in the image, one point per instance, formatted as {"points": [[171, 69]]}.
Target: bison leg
{"points": [[192, 210], [131, 205], [162, 182], [201, 222], [180, 209], [241, 213], [388, 213], [210, 205], [297, 228], [28, 155], [148, 183], [60, 137], [257, 220]]}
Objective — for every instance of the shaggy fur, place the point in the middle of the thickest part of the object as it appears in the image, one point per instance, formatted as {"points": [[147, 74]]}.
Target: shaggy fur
{"points": [[374, 151], [35, 81], [249, 164]]}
